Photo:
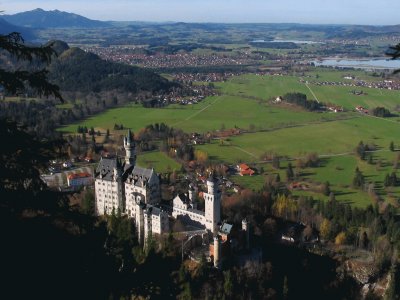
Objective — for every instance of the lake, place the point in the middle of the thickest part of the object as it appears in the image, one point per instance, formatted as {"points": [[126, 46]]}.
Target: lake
{"points": [[377, 63]]}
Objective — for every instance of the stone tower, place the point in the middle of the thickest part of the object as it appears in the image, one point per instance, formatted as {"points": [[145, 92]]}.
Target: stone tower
{"points": [[117, 178], [212, 205], [129, 145]]}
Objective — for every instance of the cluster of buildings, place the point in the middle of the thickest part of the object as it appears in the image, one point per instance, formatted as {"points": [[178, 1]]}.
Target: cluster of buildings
{"points": [[204, 77], [361, 109], [134, 191], [384, 84], [164, 60]]}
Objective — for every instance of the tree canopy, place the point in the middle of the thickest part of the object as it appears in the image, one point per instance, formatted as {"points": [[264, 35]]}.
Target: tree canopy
{"points": [[16, 81]]}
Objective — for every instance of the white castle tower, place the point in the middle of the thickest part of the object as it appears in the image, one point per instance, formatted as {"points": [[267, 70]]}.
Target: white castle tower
{"points": [[129, 145], [212, 205]]}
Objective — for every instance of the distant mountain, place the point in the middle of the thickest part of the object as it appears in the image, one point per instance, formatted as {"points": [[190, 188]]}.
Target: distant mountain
{"points": [[6, 28], [40, 18], [77, 70]]}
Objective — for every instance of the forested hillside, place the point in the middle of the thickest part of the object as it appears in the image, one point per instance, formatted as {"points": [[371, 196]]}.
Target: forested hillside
{"points": [[88, 84], [77, 70]]}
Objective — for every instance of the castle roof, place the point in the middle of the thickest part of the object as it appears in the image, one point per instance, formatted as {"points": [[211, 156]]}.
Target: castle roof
{"points": [[141, 176], [105, 168], [148, 173]]}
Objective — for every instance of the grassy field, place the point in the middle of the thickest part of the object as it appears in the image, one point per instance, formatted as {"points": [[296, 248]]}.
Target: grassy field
{"points": [[243, 103], [288, 132], [211, 114], [157, 160], [329, 138]]}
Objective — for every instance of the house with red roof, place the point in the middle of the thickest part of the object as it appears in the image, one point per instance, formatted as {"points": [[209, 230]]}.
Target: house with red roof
{"points": [[79, 179], [244, 169]]}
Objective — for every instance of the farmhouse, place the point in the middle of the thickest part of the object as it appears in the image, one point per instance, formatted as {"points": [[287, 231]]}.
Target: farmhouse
{"points": [[79, 179], [244, 169]]}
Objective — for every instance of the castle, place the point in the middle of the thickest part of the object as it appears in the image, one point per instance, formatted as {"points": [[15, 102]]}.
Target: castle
{"points": [[135, 192]]}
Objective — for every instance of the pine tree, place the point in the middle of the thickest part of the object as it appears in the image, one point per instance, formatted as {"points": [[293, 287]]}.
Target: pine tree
{"points": [[285, 288], [228, 284], [19, 80], [278, 178], [393, 179], [326, 188], [391, 146], [386, 181], [360, 150], [358, 180], [289, 172], [370, 159]]}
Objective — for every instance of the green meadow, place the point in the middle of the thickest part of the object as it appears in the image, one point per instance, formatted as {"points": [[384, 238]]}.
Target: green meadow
{"points": [[211, 114], [287, 131], [329, 138], [157, 160]]}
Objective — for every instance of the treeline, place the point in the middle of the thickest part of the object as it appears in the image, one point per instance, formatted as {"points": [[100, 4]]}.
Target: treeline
{"points": [[173, 141], [301, 100], [381, 112], [44, 116]]}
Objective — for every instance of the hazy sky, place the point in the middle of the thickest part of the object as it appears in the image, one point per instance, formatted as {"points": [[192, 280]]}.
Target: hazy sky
{"points": [[269, 11]]}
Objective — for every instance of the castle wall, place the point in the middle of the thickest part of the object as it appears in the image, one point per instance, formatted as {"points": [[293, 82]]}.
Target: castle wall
{"points": [[108, 196]]}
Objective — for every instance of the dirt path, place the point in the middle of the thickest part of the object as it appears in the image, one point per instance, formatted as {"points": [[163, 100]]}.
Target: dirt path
{"points": [[315, 97], [196, 113]]}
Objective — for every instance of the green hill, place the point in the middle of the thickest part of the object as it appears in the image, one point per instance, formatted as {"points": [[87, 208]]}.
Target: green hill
{"points": [[39, 18], [77, 70]]}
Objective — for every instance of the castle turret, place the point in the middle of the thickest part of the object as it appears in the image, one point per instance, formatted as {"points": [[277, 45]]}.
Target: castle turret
{"points": [[217, 251], [117, 171], [211, 185], [129, 145], [212, 205]]}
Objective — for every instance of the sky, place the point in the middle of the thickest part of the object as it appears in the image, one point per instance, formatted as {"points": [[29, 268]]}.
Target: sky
{"points": [[369, 12]]}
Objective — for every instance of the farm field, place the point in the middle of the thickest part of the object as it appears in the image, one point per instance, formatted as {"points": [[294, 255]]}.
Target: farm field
{"points": [[328, 138], [243, 103], [289, 132], [211, 114]]}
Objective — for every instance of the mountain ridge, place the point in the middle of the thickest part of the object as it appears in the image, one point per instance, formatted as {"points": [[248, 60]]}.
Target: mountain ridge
{"points": [[39, 18]]}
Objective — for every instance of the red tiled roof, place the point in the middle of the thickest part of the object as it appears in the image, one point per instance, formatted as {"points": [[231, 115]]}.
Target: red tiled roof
{"points": [[247, 172], [78, 175], [244, 167]]}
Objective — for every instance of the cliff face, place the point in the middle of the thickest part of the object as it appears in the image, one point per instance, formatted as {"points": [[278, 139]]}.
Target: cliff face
{"points": [[366, 275]]}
